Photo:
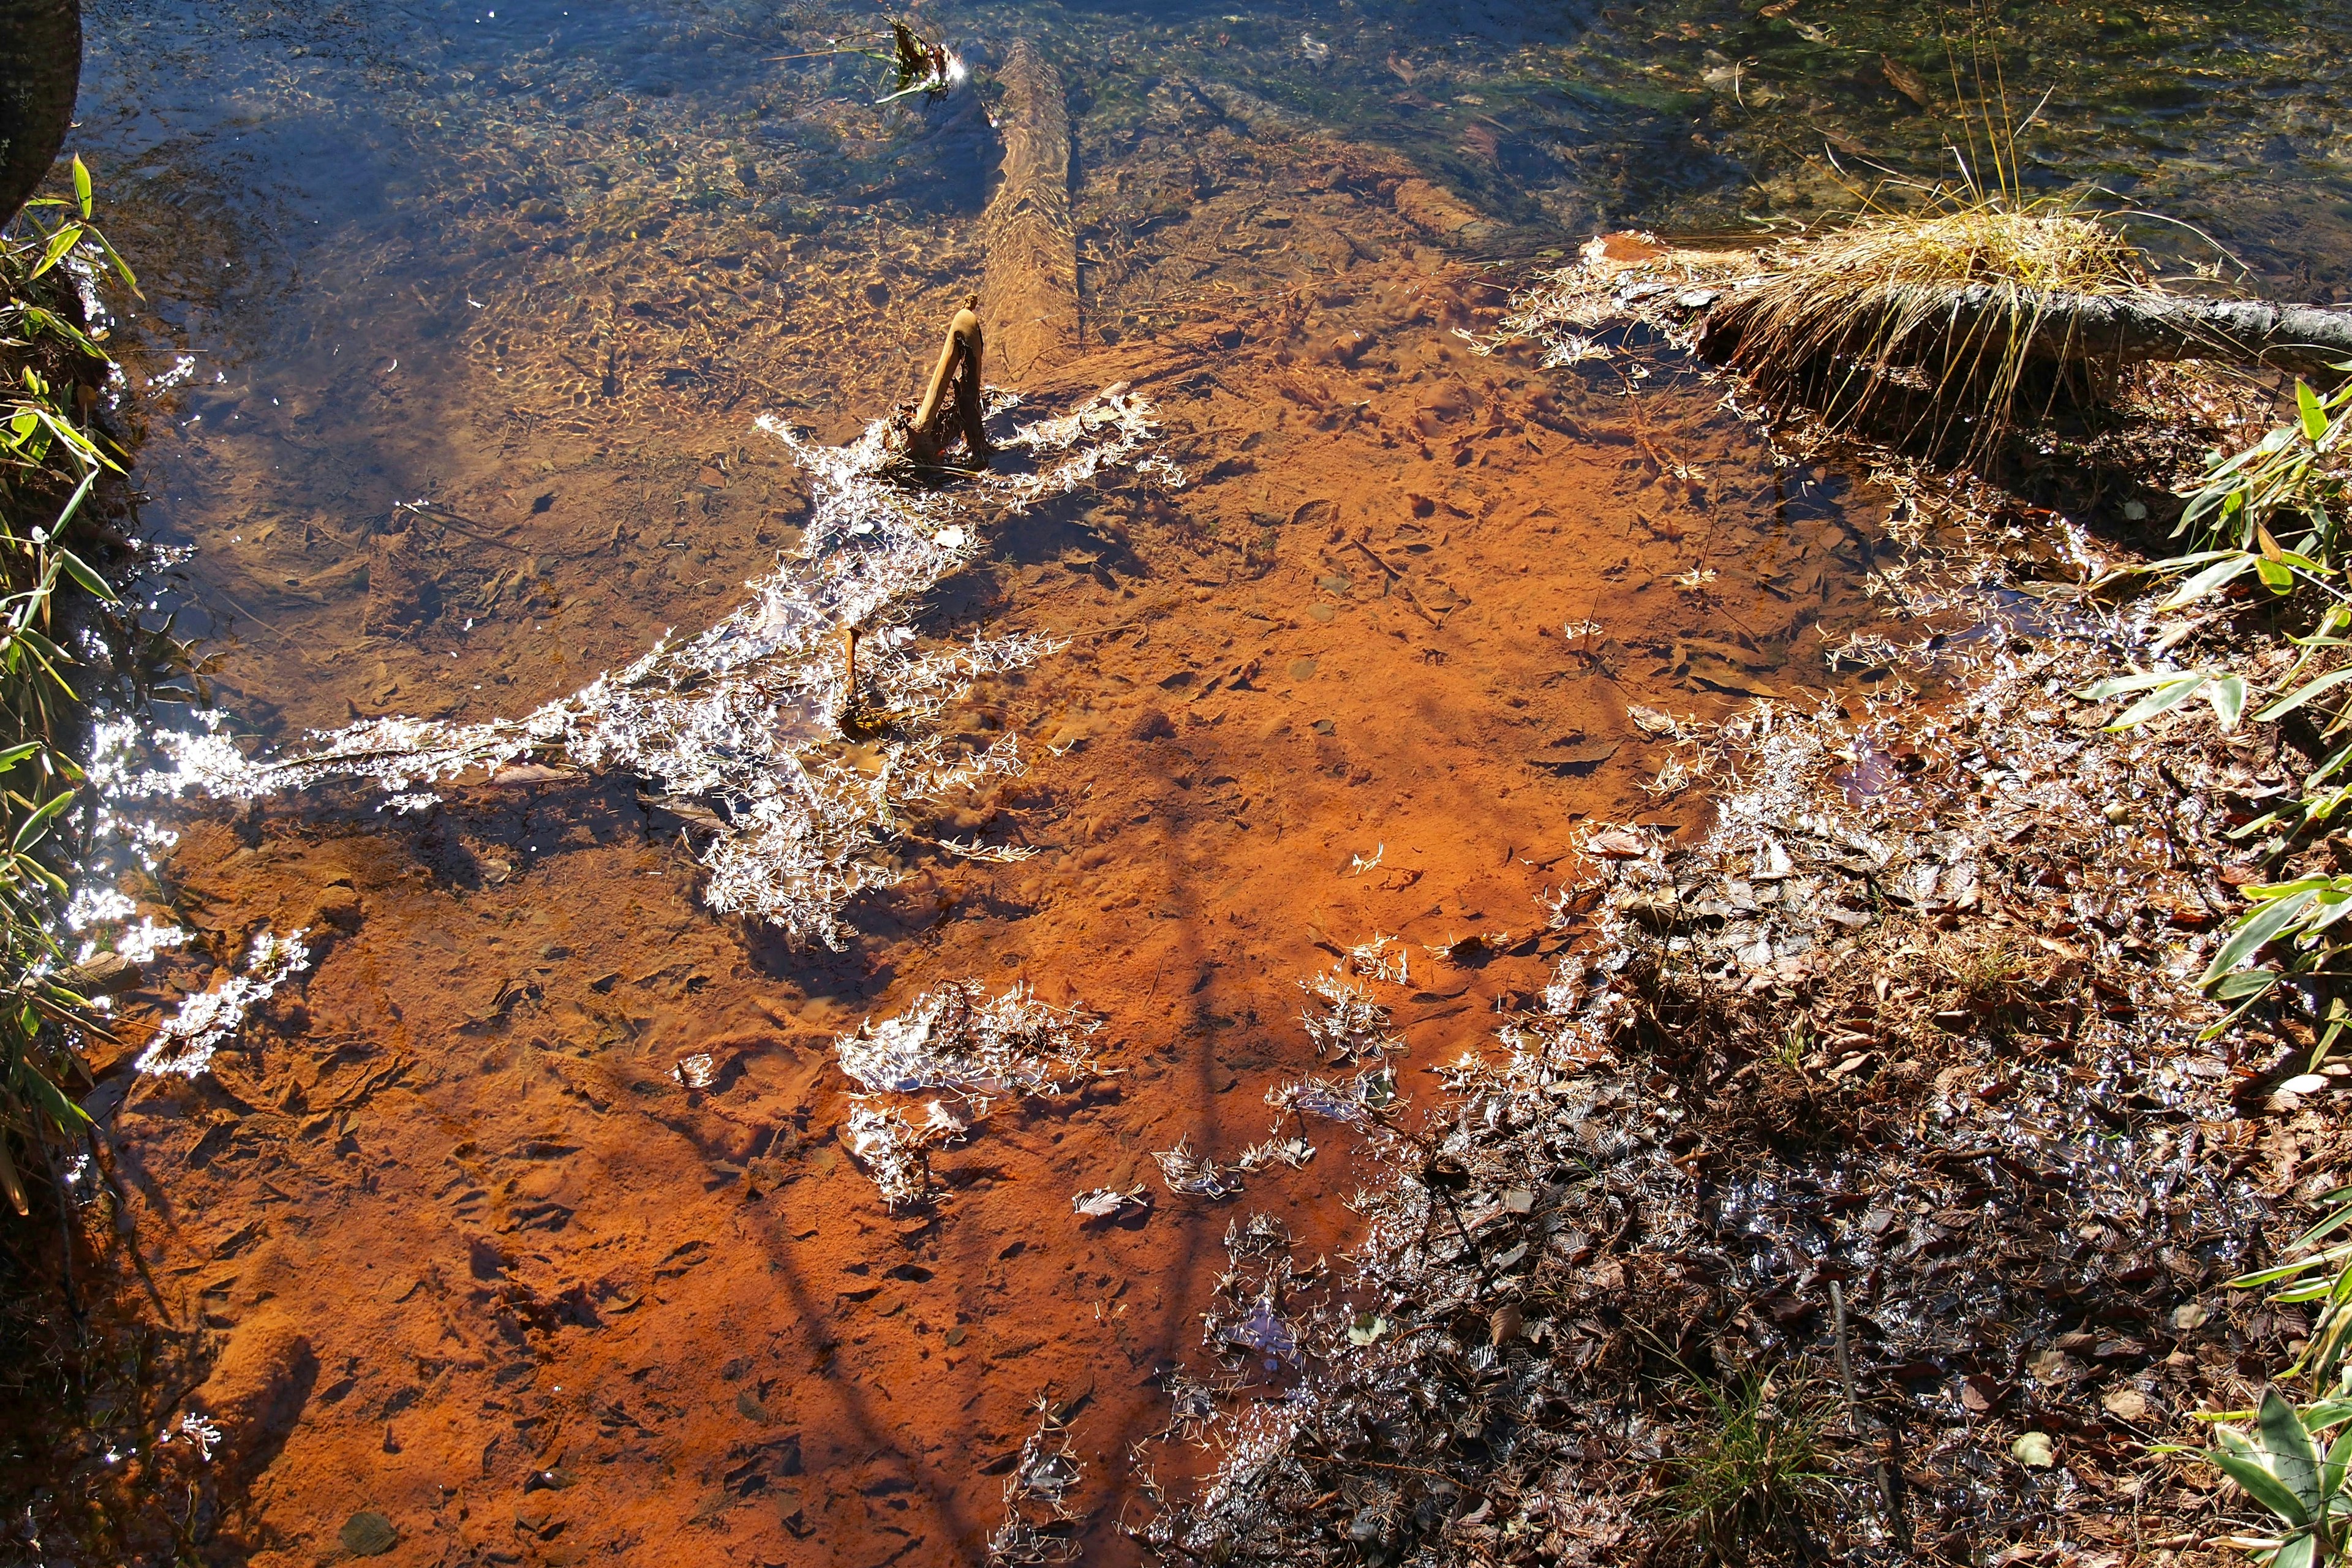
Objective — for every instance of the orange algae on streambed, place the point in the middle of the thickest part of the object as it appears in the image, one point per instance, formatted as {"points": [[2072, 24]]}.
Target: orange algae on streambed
{"points": [[541, 1211]]}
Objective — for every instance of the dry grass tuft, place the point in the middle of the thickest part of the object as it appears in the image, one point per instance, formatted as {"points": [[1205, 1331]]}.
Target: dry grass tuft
{"points": [[1859, 323]]}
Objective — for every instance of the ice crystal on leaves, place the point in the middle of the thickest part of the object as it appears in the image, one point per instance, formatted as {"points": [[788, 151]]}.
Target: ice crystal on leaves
{"points": [[1187, 1173], [206, 1021], [1107, 1202], [194, 1428], [744, 717], [1038, 1518], [979, 1050]]}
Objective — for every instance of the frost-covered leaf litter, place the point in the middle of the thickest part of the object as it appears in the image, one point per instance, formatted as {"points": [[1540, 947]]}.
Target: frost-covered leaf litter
{"points": [[1916, 1022], [744, 717], [929, 1074]]}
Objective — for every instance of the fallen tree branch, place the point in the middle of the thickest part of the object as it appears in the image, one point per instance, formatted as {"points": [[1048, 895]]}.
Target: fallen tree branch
{"points": [[1910, 323]]}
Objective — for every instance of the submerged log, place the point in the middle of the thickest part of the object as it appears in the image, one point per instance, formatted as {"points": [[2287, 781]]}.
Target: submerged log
{"points": [[2102, 330], [1029, 288], [40, 73]]}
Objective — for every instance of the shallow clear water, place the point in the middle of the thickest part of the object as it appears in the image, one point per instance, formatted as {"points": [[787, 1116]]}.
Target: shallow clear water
{"points": [[548, 256], [477, 310]]}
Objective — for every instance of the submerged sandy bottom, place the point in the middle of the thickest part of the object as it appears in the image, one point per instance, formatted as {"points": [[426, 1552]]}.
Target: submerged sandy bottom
{"points": [[466, 1251]]}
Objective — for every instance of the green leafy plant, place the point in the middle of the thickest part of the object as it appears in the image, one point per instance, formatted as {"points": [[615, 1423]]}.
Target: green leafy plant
{"points": [[1758, 1477], [52, 455], [2274, 512], [2280, 1464], [2285, 1460]]}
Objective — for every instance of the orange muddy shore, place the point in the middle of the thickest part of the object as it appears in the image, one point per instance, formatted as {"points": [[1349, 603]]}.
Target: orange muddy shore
{"points": [[464, 1251]]}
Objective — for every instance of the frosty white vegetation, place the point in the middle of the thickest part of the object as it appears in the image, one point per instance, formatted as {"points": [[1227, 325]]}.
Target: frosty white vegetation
{"points": [[1038, 1518], [744, 716], [1107, 1202], [196, 1429], [208, 1020], [975, 1051]]}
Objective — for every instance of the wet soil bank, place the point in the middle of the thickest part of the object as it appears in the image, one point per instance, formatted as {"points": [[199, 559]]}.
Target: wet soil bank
{"points": [[448, 1240]]}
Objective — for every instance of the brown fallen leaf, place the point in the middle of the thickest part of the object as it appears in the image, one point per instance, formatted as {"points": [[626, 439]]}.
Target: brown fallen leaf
{"points": [[1905, 80]]}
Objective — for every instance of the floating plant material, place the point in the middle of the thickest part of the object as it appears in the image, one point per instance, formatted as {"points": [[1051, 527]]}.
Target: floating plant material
{"points": [[1039, 1522], [188, 1040], [1109, 1202], [1194, 1177], [743, 718], [921, 65], [956, 1039], [978, 1050], [1293, 1151]]}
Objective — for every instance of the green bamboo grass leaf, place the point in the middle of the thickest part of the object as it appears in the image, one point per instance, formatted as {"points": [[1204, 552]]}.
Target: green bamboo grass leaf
{"points": [[2333, 906], [14, 754], [2304, 694], [2257, 929], [96, 586], [2228, 695], [2245, 983], [81, 185], [2260, 1485], [2117, 685], [2315, 417], [2332, 1223], [66, 236], [2212, 579], [2293, 1458], [30, 831], [2263, 892], [2302, 1551], [2163, 700]]}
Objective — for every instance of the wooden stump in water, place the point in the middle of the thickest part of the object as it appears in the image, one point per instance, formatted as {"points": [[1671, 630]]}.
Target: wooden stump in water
{"points": [[1029, 290]]}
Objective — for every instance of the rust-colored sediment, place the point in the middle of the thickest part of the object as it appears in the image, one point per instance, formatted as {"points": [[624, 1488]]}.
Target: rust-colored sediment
{"points": [[454, 1230]]}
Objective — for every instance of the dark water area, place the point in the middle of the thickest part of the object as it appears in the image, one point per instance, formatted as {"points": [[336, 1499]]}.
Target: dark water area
{"points": [[457, 321], [419, 251]]}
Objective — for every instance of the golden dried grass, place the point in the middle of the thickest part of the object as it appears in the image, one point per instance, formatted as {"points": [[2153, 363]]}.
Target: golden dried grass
{"points": [[1866, 319]]}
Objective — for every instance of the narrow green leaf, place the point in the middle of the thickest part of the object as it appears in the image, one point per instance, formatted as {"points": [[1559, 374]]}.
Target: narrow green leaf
{"points": [[2117, 685], [2245, 983], [82, 185], [96, 586], [2304, 693], [30, 831], [2262, 1486], [2163, 700], [2220, 574], [2255, 930], [66, 236], [2315, 417]]}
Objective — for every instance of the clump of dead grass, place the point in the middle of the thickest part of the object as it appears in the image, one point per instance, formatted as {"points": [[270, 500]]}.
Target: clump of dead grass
{"points": [[1860, 322]]}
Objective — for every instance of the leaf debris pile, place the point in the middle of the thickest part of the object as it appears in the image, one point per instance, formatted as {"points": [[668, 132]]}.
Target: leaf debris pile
{"points": [[975, 1051], [1039, 1525], [1898, 1067]]}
